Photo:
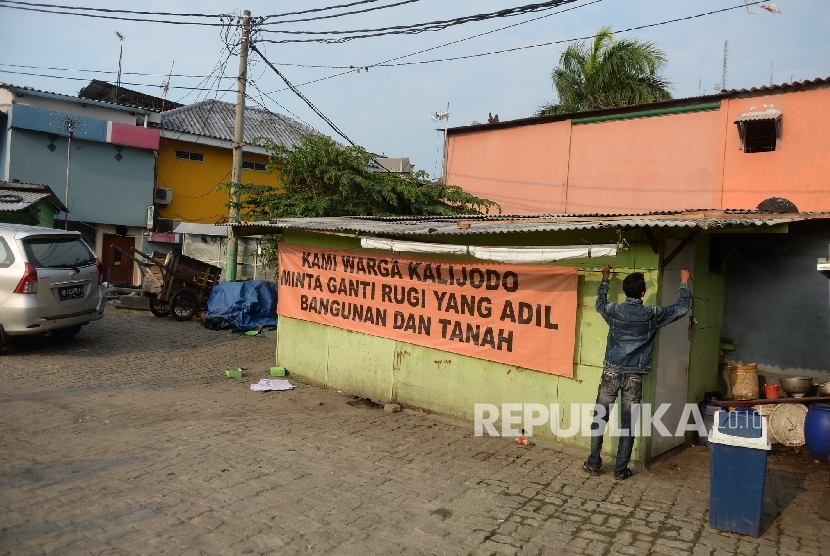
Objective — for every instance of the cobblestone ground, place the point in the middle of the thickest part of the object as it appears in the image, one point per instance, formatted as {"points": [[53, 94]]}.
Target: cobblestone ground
{"points": [[128, 440]]}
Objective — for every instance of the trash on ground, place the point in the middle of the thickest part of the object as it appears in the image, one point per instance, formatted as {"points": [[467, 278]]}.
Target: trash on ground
{"points": [[234, 373], [267, 384], [277, 371]]}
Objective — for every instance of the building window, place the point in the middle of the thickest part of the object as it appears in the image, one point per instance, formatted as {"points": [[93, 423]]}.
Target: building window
{"points": [[251, 165], [190, 155], [760, 132]]}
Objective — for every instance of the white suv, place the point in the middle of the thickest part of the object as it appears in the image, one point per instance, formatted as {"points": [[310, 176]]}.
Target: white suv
{"points": [[50, 281]]}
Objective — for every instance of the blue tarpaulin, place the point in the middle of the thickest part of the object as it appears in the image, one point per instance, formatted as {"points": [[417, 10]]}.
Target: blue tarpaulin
{"points": [[246, 304]]}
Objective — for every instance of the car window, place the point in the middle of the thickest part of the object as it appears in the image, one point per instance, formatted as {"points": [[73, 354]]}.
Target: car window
{"points": [[52, 252], [6, 256]]}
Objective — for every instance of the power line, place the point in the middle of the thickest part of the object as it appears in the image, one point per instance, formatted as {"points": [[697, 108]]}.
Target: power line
{"points": [[297, 92], [4, 4], [106, 71], [314, 10], [315, 18], [482, 54], [417, 27], [106, 10], [636, 28], [123, 82], [316, 110]]}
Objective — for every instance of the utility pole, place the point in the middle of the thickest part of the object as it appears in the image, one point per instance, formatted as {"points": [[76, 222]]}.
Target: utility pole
{"points": [[238, 141]]}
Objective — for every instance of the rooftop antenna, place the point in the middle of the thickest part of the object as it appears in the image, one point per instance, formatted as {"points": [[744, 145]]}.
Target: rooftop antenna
{"points": [[770, 72], [165, 87], [69, 125], [120, 54], [437, 118], [725, 59]]}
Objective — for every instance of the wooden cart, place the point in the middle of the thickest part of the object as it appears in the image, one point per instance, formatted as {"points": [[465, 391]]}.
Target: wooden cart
{"points": [[176, 285]]}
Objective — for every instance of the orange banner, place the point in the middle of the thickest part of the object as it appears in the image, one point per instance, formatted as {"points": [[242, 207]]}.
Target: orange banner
{"points": [[516, 314]]}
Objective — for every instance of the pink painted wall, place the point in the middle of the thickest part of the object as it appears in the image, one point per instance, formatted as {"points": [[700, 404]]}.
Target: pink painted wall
{"points": [[524, 169], [799, 170], [671, 162], [134, 136], [644, 164]]}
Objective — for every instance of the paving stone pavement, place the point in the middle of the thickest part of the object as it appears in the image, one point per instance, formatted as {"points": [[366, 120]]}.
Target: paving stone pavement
{"points": [[129, 440]]}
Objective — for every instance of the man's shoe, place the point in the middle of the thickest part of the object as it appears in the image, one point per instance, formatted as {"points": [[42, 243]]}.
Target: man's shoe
{"points": [[590, 470], [624, 475]]}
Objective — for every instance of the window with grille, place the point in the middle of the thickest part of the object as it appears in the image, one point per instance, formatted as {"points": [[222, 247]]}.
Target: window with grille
{"points": [[761, 136], [251, 165], [190, 155]]}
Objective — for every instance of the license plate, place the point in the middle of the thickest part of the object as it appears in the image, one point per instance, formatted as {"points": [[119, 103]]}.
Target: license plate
{"points": [[71, 293]]}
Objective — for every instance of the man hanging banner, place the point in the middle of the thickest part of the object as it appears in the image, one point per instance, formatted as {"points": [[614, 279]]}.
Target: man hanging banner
{"points": [[516, 314]]}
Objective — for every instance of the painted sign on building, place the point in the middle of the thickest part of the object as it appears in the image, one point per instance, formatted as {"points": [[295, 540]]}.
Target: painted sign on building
{"points": [[522, 315]]}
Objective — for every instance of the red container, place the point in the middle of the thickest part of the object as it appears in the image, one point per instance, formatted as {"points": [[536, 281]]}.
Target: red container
{"points": [[771, 391]]}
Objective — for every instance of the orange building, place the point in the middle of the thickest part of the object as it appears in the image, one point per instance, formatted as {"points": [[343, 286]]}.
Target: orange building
{"points": [[730, 150]]}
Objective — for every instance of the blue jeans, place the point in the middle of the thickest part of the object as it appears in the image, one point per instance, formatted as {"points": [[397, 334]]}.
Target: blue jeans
{"points": [[630, 386]]}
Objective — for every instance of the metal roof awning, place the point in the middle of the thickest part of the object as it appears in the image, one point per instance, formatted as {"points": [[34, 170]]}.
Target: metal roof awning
{"points": [[768, 114], [500, 224]]}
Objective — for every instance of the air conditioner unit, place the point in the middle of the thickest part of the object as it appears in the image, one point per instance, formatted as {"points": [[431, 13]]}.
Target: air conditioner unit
{"points": [[162, 196]]}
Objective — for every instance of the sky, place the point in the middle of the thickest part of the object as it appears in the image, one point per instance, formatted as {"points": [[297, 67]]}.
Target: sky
{"points": [[391, 110]]}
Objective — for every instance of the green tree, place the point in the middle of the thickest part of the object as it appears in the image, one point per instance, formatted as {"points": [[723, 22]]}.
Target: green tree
{"points": [[321, 178], [607, 73]]}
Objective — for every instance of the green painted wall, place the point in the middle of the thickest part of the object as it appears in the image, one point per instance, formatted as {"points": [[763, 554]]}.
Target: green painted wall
{"points": [[386, 370]]}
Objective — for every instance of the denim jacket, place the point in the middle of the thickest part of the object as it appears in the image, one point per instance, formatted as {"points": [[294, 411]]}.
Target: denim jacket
{"points": [[633, 327]]}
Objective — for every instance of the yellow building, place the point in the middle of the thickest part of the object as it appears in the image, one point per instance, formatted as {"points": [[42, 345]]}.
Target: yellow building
{"points": [[195, 156]]}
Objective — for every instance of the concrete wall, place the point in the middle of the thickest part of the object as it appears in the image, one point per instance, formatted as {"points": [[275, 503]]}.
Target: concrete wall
{"points": [[644, 164], [448, 383], [102, 188], [525, 170], [777, 304], [798, 171], [195, 198], [671, 161]]}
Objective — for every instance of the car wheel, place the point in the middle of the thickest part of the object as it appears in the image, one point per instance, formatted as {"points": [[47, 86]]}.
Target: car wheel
{"points": [[159, 307], [183, 305], [66, 333]]}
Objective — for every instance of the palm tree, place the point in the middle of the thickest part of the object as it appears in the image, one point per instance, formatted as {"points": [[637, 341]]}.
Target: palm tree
{"points": [[607, 73]]}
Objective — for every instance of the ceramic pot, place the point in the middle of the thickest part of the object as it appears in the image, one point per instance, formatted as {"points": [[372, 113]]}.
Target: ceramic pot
{"points": [[817, 431]]}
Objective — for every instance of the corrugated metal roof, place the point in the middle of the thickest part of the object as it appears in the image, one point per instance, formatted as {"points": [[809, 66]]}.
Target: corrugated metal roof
{"points": [[768, 114], [15, 196], [493, 224], [214, 118], [71, 98], [13, 201]]}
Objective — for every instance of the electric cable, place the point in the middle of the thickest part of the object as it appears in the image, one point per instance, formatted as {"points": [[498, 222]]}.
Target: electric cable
{"points": [[615, 32], [122, 83], [417, 27], [5, 4], [107, 10], [482, 54], [316, 110], [106, 71], [315, 18]]}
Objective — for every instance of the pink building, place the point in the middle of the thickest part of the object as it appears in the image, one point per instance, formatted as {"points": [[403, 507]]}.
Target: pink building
{"points": [[730, 150]]}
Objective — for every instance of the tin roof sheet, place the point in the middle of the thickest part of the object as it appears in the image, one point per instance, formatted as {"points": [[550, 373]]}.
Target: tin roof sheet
{"points": [[503, 224], [768, 114], [15, 196], [214, 118]]}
